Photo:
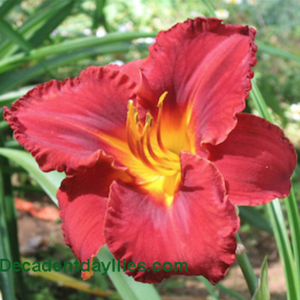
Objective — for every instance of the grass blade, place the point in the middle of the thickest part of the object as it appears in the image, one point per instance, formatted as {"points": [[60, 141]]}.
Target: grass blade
{"points": [[262, 291], [8, 206], [229, 292], [7, 6], [125, 285], [50, 182], [70, 46], [255, 218], [44, 32], [18, 39], [210, 288], [277, 52], [32, 24], [13, 79], [99, 17], [209, 7], [277, 219], [8, 98], [283, 244], [14, 36], [6, 278], [293, 217]]}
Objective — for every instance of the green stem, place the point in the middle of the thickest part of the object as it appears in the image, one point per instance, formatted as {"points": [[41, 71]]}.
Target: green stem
{"points": [[247, 270]]}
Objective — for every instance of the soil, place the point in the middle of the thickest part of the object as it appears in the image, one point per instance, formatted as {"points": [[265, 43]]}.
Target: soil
{"points": [[35, 234]]}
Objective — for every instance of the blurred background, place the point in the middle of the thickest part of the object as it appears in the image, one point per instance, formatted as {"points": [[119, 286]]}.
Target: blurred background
{"points": [[45, 39]]}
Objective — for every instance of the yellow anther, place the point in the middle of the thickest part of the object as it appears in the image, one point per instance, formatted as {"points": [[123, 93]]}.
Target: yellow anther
{"points": [[132, 120], [161, 99], [129, 105], [136, 117], [139, 142], [158, 128], [149, 119]]}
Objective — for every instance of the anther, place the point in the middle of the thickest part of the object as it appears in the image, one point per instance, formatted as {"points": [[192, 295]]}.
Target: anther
{"points": [[149, 118], [139, 141], [129, 104], [136, 117], [161, 99], [158, 128]]}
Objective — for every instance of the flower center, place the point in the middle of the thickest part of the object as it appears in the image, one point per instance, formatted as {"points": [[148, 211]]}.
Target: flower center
{"points": [[145, 143]]}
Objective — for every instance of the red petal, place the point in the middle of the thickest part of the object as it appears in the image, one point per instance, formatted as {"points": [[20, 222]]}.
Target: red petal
{"points": [[197, 229], [131, 69], [83, 203], [63, 123], [256, 160], [205, 67]]}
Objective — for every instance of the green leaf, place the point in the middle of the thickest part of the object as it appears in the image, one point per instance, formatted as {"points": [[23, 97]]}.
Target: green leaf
{"points": [[277, 52], [10, 219], [99, 17], [52, 22], [292, 273], [209, 8], [262, 291], [7, 6], [210, 288], [14, 79], [8, 98], [18, 39], [229, 292], [255, 218], [50, 182], [32, 24], [71, 46], [14, 36], [293, 217], [128, 288], [6, 278]]}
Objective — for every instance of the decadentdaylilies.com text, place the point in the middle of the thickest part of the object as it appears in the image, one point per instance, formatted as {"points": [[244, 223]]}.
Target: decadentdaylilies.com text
{"points": [[95, 266]]}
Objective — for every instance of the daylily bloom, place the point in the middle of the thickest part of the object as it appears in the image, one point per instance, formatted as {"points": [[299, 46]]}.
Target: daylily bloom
{"points": [[157, 152]]}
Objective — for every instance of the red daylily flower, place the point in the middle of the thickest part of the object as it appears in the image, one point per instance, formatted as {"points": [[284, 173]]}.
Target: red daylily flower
{"points": [[157, 153]]}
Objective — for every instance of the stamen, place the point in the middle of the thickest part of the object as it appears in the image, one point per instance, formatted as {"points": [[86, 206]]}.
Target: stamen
{"points": [[131, 115], [158, 128], [131, 141], [150, 150], [136, 117], [162, 167], [139, 142]]}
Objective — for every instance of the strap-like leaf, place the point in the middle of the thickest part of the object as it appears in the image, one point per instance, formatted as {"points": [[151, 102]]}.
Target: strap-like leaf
{"points": [[262, 290]]}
